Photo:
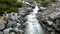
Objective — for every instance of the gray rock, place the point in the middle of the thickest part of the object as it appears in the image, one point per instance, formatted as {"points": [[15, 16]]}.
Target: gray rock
{"points": [[42, 8], [58, 9], [12, 33], [21, 31], [17, 25], [2, 25], [6, 31], [49, 29], [50, 23], [11, 23], [21, 11], [24, 11], [1, 32], [54, 15], [16, 29]]}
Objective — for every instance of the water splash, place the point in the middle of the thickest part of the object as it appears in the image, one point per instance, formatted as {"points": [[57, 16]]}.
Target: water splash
{"points": [[33, 27]]}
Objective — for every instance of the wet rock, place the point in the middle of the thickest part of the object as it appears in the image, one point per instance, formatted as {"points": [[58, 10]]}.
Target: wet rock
{"points": [[2, 24], [1, 32]]}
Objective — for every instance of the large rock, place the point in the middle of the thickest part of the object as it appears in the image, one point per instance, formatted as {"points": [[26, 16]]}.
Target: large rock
{"points": [[2, 25], [54, 15], [11, 23], [6, 31]]}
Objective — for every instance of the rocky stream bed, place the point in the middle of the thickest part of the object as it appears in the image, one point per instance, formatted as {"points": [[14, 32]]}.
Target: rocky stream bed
{"points": [[48, 17]]}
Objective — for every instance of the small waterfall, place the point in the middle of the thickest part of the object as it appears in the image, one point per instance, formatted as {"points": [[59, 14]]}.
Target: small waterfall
{"points": [[33, 26]]}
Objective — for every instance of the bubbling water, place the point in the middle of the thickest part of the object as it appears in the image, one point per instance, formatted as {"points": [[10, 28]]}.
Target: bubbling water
{"points": [[33, 26]]}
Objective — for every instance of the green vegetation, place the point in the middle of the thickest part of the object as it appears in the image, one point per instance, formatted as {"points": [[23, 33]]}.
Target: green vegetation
{"points": [[7, 6], [46, 2]]}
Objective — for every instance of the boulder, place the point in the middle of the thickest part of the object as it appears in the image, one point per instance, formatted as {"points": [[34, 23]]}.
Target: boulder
{"points": [[54, 15], [6, 31], [2, 23]]}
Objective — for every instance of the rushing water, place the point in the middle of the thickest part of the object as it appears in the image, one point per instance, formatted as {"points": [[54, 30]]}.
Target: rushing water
{"points": [[33, 26]]}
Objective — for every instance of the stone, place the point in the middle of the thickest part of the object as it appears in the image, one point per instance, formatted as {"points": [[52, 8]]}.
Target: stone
{"points": [[54, 15], [16, 25], [21, 12], [17, 20], [11, 23], [24, 11], [2, 24], [58, 9], [6, 31], [16, 29], [21, 31], [12, 33], [42, 8], [1, 32], [50, 23], [49, 29]]}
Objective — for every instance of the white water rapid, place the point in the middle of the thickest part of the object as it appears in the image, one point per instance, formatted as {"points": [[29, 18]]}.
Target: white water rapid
{"points": [[33, 26]]}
